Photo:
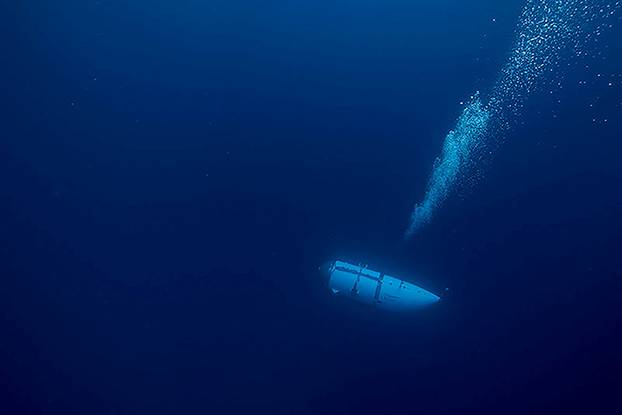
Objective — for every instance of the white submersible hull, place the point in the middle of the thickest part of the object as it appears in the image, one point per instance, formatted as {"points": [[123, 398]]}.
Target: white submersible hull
{"points": [[375, 288]]}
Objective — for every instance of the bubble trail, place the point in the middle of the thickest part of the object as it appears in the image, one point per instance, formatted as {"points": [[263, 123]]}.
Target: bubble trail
{"points": [[458, 148], [546, 29]]}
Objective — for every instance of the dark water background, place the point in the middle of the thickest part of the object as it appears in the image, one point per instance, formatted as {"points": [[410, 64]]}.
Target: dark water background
{"points": [[173, 172]]}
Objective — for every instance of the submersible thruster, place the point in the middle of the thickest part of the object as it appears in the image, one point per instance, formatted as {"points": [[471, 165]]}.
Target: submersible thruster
{"points": [[375, 288]]}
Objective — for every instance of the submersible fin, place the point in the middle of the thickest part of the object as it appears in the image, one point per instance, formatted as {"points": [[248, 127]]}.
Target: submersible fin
{"points": [[375, 288]]}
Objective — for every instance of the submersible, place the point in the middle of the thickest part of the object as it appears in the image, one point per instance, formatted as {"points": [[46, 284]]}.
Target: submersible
{"points": [[376, 288]]}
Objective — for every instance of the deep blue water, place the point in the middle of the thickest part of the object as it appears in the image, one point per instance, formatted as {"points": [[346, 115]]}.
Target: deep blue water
{"points": [[173, 173]]}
